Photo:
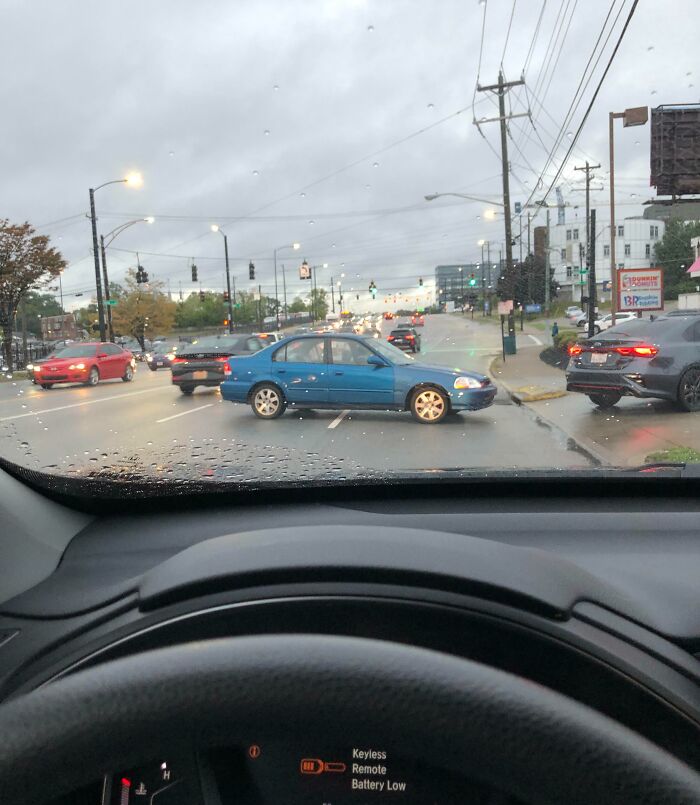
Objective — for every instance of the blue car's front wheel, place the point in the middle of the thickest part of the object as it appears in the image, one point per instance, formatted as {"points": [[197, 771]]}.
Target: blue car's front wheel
{"points": [[267, 401], [429, 405]]}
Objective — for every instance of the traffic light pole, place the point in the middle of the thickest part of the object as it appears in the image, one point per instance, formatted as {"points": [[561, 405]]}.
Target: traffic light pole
{"points": [[228, 286]]}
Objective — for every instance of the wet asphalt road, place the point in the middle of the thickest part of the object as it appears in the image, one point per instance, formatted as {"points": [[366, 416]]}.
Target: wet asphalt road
{"points": [[148, 423]]}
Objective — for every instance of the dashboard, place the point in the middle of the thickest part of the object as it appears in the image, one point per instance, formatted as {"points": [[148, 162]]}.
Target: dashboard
{"points": [[601, 607]]}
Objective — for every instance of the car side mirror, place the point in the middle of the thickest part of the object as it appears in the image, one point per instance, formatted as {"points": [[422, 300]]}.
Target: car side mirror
{"points": [[375, 360]]}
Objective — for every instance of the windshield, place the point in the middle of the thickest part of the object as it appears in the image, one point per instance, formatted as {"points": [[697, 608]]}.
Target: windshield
{"points": [[441, 182], [76, 352]]}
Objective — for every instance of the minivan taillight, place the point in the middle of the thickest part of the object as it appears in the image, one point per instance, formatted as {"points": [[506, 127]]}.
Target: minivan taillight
{"points": [[227, 368]]}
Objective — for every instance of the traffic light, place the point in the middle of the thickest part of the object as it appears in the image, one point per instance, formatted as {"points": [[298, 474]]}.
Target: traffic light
{"points": [[251, 270], [420, 281], [472, 280], [226, 296], [141, 275], [202, 296], [194, 273], [373, 289], [225, 322]]}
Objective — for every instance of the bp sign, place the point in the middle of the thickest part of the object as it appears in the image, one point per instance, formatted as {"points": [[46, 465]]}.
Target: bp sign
{"points": [[640, 289]]}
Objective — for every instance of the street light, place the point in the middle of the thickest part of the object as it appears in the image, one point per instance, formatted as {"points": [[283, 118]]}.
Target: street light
{"points": [[636, 116], [132, 180], [295, 246], [111, 235], [217, 228]]}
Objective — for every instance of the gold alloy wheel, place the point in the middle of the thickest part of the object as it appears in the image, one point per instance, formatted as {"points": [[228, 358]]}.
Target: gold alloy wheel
{"points": [[429, 405], [267, 402]]}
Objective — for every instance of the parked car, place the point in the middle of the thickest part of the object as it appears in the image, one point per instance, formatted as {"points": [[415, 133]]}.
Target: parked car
{"points": [[640, 358], [85, 363], [201, 363], [270, 338], [350, 371], [133, 346], [603, 322], [406, 338], [574, 313]]}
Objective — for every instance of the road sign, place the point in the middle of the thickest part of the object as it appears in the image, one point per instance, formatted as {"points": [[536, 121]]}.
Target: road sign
{"points": [[504, 308], [111, 301], [640, 289], [518, 208], [534, 308]]}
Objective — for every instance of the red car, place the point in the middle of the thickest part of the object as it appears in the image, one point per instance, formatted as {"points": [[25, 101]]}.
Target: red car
{"points": [[417, 320], [85, 363]]}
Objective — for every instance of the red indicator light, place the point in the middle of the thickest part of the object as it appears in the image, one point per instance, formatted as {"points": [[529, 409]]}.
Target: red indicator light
{"points": [[313, 765], [575, 349], [125, 781], [254, 751]]}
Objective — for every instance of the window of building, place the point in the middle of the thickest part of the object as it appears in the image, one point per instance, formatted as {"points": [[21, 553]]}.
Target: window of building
{"points": [[575, 234], [654, 232], [620, 265], [569, 272], [628, 249], [621, 231], [606, 250], [568, 234], [647, 250], [563, 254]]}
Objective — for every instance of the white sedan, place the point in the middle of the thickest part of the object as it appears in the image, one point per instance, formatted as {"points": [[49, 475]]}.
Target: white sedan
{"points": [[604, 322]]}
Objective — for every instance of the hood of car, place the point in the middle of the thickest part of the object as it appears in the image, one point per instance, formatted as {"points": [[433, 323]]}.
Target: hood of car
{"points": [[427, 371]]}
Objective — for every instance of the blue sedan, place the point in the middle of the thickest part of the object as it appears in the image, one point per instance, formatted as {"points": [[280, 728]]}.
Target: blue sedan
{"points": [[350, 371]]}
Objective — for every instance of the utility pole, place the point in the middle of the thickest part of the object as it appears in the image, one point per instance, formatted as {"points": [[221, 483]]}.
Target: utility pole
{"points": [[106, 282], [180, 290], [500, 89], [591, 297], [98, 279], [547, 273], [591, 279], [332, 295], [228, 286], [529, 252], [284, 293]]}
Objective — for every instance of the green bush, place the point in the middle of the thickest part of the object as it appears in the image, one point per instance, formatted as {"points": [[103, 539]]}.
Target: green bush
{"points": [[564, 338]]}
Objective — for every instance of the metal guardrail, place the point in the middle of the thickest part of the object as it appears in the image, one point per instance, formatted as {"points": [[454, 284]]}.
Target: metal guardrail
{"points": [[20, 358]]}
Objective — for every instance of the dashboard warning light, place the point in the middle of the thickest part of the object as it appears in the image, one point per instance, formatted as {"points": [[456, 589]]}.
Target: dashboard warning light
{"points": [[254, 751], [312, 765]]}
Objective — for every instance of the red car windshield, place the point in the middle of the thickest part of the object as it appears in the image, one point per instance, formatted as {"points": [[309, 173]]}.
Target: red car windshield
{"points": [[83, 351]]}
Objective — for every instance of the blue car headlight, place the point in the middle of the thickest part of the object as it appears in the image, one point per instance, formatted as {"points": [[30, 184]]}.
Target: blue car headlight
{"points": [[467, 383]]}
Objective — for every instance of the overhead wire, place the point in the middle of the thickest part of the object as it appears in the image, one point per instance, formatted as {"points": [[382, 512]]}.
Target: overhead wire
{"points": [[510, 24], [533, 42]]}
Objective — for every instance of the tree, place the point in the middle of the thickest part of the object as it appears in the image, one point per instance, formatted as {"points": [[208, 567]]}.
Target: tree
{"points": [[36, 307], [297, 306], [26, 261], [195, 312], [318, 303], [144, 310], [675, 255]]}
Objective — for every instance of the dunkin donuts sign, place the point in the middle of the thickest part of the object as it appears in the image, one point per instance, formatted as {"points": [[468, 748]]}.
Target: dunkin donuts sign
{"points": [[640, 289]]}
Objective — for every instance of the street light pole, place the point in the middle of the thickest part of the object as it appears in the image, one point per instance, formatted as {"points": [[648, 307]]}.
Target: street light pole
{"points": [[277, 304], [284, 293], [636, 116], [98, 279], [217, 228], [60, 286], [133, 179]]}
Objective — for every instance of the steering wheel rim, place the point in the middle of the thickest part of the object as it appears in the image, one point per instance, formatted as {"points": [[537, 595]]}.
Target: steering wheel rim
{"points": [[446, 711]]}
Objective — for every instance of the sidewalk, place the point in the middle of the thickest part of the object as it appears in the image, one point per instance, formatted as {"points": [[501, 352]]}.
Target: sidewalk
{"points": [[525, 377]]}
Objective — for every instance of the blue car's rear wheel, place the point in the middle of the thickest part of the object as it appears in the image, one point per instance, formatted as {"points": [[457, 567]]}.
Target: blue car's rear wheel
{"points": [[429, 405], [267, 401]]}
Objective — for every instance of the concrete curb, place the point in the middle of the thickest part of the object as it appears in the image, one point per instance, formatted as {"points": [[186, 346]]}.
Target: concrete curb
{"points": [[583, 446], [527, 393]]}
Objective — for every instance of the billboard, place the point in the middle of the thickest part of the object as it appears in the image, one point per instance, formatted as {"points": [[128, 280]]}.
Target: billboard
{"points": [[640, 289], [675, 149]]}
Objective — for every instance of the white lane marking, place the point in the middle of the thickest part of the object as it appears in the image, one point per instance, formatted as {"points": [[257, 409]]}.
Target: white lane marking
{"points": [[535, 339], [80, 404], [184, 413], [338, 419]]}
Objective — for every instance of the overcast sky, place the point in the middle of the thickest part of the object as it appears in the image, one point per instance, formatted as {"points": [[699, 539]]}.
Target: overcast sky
{"points": [[283, 121]]}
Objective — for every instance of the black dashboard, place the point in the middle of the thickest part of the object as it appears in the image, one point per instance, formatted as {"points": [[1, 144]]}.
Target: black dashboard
{"points": [[600, 603]]}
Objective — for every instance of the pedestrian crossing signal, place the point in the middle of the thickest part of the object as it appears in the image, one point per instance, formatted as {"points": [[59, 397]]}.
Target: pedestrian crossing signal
{"points": [[251, 270]]}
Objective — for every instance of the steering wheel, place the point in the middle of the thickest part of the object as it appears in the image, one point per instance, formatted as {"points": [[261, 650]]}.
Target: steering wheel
{"points": [[448, 712]]}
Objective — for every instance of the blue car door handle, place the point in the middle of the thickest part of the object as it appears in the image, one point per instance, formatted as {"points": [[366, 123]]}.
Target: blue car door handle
{"points": [[340, 373], [281, 371]]}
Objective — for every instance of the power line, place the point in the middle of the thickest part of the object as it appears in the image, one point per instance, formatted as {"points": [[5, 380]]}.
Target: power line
{"points": [[531, 50], [575, 102], [510, 23]]}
